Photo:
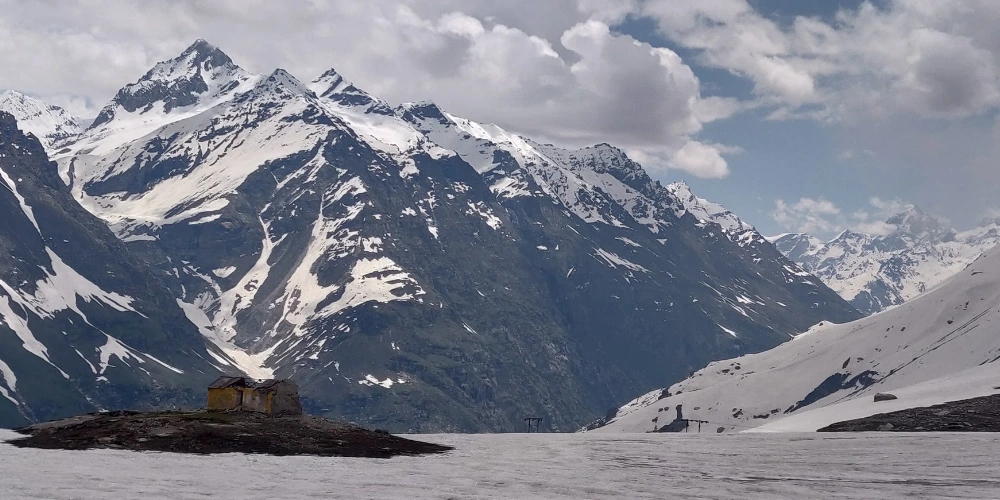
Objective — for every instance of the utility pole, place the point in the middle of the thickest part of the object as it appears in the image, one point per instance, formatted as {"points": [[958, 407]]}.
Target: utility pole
{"points": [[533, 423], [687, 423]]}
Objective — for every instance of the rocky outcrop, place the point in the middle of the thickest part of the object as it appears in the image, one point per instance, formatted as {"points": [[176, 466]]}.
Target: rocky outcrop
{"points": [[206, 433], [969, 415]]}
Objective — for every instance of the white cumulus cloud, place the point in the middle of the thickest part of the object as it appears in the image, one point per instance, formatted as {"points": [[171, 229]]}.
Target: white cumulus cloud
{"points": [[926, 58]]}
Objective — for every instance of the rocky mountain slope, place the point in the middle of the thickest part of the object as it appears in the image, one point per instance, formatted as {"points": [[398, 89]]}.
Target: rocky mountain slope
{"points": [[52, 125], [939, 347], [415, 270], [874, 272], [83, 324]]}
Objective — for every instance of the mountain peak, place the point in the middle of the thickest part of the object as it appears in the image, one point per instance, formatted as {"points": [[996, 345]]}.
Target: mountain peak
{"points": [[422, 105], [280, 79], [11, 94], [703, 209], [205, 55], [848, 234], [52, 125], [202, 76], [909, 212], [332, 86], [198, 59], [200, 45], [915, 223], [607, 151], [329, 83], [329, 74], [991, 220], [795, 246], [679, 188], [879, 269]]}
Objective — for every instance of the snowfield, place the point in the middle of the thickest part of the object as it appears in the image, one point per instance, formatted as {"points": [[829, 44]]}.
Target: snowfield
{"points": [[942, 346], [530, 466]]}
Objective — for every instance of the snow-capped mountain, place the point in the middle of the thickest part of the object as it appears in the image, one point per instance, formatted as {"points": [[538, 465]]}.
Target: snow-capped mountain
{"points": [[198, 79], [83, 324], [415, 270], [936, 348], [874, 272], [52, 125], [707, 211]]}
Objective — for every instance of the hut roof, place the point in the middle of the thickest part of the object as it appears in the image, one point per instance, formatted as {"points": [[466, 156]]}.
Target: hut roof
{"points": [[229, 381], [267, 383], [226, 381]]}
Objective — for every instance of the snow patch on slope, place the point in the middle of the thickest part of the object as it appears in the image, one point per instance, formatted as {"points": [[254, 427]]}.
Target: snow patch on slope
{"points": [[922, 351]]}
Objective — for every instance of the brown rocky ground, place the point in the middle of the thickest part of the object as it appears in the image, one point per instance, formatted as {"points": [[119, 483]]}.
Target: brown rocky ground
{"points": [[970, 415], [212, 432]]}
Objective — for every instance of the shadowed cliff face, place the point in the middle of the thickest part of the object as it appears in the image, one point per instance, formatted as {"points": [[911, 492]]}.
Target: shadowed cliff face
{"points": [[84, 325]]}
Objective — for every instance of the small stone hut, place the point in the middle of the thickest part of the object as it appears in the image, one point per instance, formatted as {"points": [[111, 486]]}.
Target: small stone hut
{"points": [[275, 398]]}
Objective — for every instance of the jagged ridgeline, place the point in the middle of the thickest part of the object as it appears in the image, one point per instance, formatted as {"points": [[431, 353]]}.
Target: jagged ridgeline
{"points": [[876, 271], [414, 270]]}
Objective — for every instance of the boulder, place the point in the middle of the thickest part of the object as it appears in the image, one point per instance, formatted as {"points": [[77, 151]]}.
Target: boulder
{"points": [[884, 396]]}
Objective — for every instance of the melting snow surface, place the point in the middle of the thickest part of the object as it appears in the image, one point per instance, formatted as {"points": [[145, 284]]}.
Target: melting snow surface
{"points": [[541, 466]]}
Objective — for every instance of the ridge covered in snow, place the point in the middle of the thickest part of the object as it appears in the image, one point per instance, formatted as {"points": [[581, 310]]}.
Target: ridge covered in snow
{"points": [[875, 272], [941, 346], [705, 210], [52, 125], [198, 79]]}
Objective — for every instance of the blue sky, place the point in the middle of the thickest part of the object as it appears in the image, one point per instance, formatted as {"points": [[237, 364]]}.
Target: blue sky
{"points": [[774, 152], [798, 115], [831, 160], [781, 159]]}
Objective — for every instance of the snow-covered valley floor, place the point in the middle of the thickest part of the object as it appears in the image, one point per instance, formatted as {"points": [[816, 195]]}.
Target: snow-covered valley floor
{"points": [[551, 466]]}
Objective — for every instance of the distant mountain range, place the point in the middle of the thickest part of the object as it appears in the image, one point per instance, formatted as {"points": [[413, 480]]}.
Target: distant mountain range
{"points": [[874, 272], [409, 268]]}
